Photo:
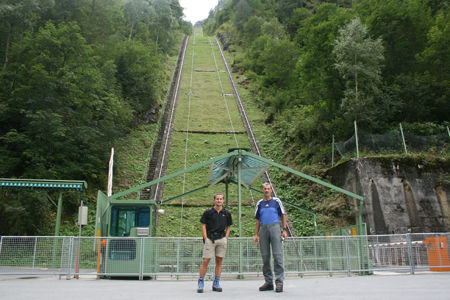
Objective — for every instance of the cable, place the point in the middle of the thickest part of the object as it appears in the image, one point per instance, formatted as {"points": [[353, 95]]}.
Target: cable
{"points": [[223, 94], [187, 134]]}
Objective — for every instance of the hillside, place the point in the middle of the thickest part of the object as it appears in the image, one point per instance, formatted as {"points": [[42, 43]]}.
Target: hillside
{"points": [[78, 77]]}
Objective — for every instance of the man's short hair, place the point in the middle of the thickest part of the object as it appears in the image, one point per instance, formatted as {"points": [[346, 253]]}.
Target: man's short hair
{"points": [[266, 183], [217, 194]]}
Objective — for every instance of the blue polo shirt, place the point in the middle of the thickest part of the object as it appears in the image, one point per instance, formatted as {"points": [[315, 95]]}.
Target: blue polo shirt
{"points": [[269, 212]]}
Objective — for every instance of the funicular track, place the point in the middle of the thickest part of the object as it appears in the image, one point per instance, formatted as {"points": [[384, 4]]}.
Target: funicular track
{"points": [[248, 127], [159, 159], [160, 153]]}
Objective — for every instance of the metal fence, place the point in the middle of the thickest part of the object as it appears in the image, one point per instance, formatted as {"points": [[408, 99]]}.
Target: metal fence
{"points": [[154, 256]]}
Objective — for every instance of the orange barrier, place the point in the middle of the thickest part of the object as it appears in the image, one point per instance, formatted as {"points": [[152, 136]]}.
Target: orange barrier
{"points": [[437, 250]]}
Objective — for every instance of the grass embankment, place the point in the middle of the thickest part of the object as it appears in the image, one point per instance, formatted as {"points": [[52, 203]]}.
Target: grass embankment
{"points": [[203, 107]]}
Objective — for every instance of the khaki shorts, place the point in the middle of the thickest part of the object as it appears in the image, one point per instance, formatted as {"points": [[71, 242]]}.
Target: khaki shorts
{"points": [[219, 247]]}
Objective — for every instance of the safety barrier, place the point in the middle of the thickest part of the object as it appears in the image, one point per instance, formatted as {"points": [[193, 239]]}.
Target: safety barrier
{"points": [[155, 256]]}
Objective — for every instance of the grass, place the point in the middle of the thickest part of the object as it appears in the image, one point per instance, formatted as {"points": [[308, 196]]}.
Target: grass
{"points": [[203, 107]]}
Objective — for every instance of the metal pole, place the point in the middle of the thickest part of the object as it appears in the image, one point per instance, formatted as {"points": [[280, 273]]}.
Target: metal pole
{"points": [[410, 254], [403, 138], [332, 151], [315, 253], [69, 263], [226, 194], [315, 225], [240, 276], [77, 266], [360, 207], [141, 259], [356, 139], [58, 214], [448, 131], [34, 252], [61, 260], [347, 251], [151, 221], [360, 235]]}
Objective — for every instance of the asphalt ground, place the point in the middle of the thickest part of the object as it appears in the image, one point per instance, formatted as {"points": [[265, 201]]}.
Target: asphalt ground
{"points": [[427, 285]]}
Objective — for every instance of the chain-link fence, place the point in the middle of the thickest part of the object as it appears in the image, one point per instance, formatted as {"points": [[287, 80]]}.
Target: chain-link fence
{"points": [[394, 141], [152, 257]]}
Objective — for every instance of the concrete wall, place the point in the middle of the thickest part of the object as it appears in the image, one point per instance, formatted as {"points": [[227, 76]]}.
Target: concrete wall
{"points": [[399, 194]]}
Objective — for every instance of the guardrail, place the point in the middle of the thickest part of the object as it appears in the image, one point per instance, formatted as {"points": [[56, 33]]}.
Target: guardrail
{"points": [[155, 256]]}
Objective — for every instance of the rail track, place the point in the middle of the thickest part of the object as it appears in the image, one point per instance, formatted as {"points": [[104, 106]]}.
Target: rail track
{"points": [[158, 162], [159, 158]]}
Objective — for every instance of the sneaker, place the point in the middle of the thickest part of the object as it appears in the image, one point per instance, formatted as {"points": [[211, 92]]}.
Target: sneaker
{"points": [[279, 287], [216, 287], [201, 285], [266, 287]]}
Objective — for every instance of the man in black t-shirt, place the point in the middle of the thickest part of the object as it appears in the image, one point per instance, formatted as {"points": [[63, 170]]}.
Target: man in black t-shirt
{"points": [[216, 222]]}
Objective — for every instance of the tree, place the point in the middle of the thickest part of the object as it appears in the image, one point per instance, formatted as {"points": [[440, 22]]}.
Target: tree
{"points": [[252, 29], [279, 60], [243, 13], [403, 26], [138, 73], [17, 17], [319, 83], [358, 60], [435, 63], [60, 113]]}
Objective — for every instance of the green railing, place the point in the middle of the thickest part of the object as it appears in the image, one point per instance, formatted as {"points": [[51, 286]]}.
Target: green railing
{"points": [[176, 257]]}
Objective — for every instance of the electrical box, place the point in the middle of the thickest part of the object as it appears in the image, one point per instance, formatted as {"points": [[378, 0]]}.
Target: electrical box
{"points": [[82, 215]]}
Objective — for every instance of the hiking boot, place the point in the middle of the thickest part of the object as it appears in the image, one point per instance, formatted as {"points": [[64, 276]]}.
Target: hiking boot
{"points": [[201, 285], [279, 287], [266, 287], [216, 286]]}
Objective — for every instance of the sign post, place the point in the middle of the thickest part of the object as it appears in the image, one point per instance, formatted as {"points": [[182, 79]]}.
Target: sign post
{"points": [[82, 221]]}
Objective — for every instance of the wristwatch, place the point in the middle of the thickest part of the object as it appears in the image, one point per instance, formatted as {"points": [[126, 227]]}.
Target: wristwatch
{"points": [[285, 228]]}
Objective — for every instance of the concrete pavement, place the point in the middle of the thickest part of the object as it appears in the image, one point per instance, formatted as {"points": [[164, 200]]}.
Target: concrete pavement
{"points": [[427, 285]]}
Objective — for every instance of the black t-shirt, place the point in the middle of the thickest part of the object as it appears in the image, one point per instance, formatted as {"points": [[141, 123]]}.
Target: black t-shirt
{"points": [[216, 222]]}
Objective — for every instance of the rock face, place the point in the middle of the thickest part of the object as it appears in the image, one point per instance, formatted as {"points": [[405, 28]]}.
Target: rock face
{"points": [[399, 193]]}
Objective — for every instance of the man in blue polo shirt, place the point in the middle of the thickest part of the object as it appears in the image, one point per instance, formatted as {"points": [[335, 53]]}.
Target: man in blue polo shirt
{"points": [[268, 213]]}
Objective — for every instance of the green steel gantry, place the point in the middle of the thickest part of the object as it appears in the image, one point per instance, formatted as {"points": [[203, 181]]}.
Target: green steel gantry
{"points": [[46, 184], [238, 166]]}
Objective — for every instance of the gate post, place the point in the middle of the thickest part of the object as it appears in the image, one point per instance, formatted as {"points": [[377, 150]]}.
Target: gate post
{"points": [[410, 254], [347, 251], [69, 263]]}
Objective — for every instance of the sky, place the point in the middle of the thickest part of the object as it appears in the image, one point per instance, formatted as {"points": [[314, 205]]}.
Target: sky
{"points": [[196, 10]]}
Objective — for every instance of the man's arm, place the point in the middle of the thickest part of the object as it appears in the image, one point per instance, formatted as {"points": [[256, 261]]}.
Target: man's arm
{"points": [[205, 236], [256, 238], [227, 231], [283, 222]]}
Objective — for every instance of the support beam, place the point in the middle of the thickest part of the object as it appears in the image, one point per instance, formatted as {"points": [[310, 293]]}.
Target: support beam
{"points": [[321, 182], [239, 162], [58, 214], [188, 170], [185, 194]]}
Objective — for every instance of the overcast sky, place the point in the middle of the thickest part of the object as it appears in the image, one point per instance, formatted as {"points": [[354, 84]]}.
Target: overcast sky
{"points": [[196, 10]]}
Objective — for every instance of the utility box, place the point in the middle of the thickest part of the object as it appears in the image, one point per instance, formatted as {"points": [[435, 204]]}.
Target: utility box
{"points": [[82, 215], [438, 255]]}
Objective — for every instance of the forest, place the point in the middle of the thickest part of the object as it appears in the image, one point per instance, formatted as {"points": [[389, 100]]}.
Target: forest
{"points": [[76, 76], [315, 66]]}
